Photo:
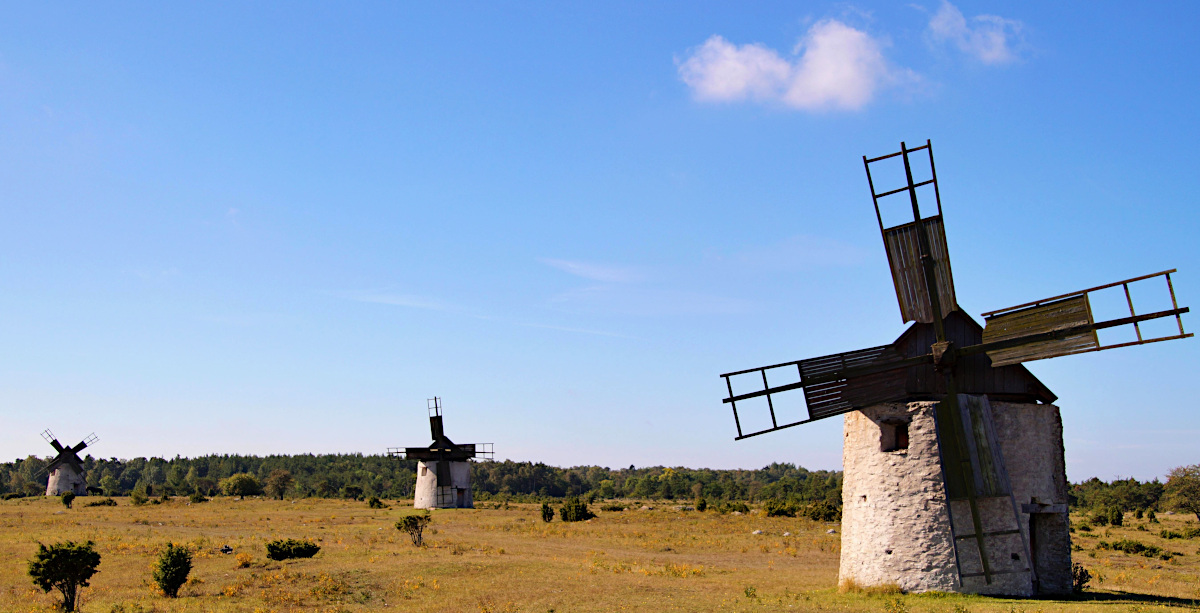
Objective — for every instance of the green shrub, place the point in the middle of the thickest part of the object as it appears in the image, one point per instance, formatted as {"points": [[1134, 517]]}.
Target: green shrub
{"points": [[66, 567], [823, 511], [1140, 513], [608, 507], [736, 506], [375, 503], [1116, 516], [414, 526], [197, 498], [778, 508], [105, 502], [1099, 517], [574, 509], [1151, 517], [701, 504], [291, 548], [1079, 578], [172, 569], [1186, 533], [1133, 547], [138, 498], [547, 512], [67, 498], [240, 485]]}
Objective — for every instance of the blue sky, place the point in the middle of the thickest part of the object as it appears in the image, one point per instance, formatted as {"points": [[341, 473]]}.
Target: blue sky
{"points": [[256, 228]]}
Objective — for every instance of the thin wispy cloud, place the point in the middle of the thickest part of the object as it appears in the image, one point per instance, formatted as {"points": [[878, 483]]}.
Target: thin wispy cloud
{"points": [[595, 272], [987, 38], [432, 304], [575, 330], [833, 67], [647, 301], [401, 300]]}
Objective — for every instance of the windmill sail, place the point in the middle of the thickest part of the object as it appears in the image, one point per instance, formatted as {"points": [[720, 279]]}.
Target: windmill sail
{"points": [[832, 384], [1063, 325], [1061, 315], [904, 244], [904, 258]]}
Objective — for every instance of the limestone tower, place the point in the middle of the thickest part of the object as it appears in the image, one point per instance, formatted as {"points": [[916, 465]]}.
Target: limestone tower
{"points": [[954, 475], [444, 467], [66, 469]]}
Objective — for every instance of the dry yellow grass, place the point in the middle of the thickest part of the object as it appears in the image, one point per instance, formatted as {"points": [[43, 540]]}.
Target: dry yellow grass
{"points": [[493, 560]]}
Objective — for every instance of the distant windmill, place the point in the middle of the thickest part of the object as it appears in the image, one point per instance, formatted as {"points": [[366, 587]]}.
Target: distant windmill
{"points": [[444, 467], [954, 477], [66, 469]]}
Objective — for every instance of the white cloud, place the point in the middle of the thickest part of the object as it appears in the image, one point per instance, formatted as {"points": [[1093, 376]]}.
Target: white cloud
{"points": [[835, 67], [987, 38], [595, 272]]}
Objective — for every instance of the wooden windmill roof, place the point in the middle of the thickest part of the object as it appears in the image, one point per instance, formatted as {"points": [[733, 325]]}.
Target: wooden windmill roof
{"points": [[975, 373]]}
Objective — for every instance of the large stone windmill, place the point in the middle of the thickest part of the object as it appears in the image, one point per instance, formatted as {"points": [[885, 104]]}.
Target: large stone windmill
{"points": [[953, 455], [66, 469], [444, 467]]}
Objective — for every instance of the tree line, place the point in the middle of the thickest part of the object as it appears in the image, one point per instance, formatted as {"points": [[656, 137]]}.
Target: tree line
{"points": [[364, 476], [358, 475]]}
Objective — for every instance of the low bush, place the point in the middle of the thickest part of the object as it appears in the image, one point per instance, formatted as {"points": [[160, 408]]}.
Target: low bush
{"points": [[67, 498], [731, 507], [701, 504], [197, 498], [375, 503], [291, 548], [65, 567], [779, 508], [1133, 547], [1186, 533], [138, 498], [574, 509], [823, 511], [547, 512], [608, 507], [172, 569], [106, 502], [1116, 516], [1079, 578], [414, 526]]}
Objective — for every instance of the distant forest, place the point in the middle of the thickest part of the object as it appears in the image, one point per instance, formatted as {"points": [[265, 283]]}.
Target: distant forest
{"points": [[357, 475]]}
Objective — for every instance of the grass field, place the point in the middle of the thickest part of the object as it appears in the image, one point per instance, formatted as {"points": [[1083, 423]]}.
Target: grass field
{"points": [[507, 559]]}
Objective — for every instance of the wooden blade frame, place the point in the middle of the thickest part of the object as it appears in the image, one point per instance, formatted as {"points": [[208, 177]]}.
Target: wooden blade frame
{"points": [[1066, 323], [907, 243], [832, 384]]}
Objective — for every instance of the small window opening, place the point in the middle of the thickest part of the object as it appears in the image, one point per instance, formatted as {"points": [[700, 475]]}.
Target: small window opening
{"points": [[424, 470], [893, 436]]}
